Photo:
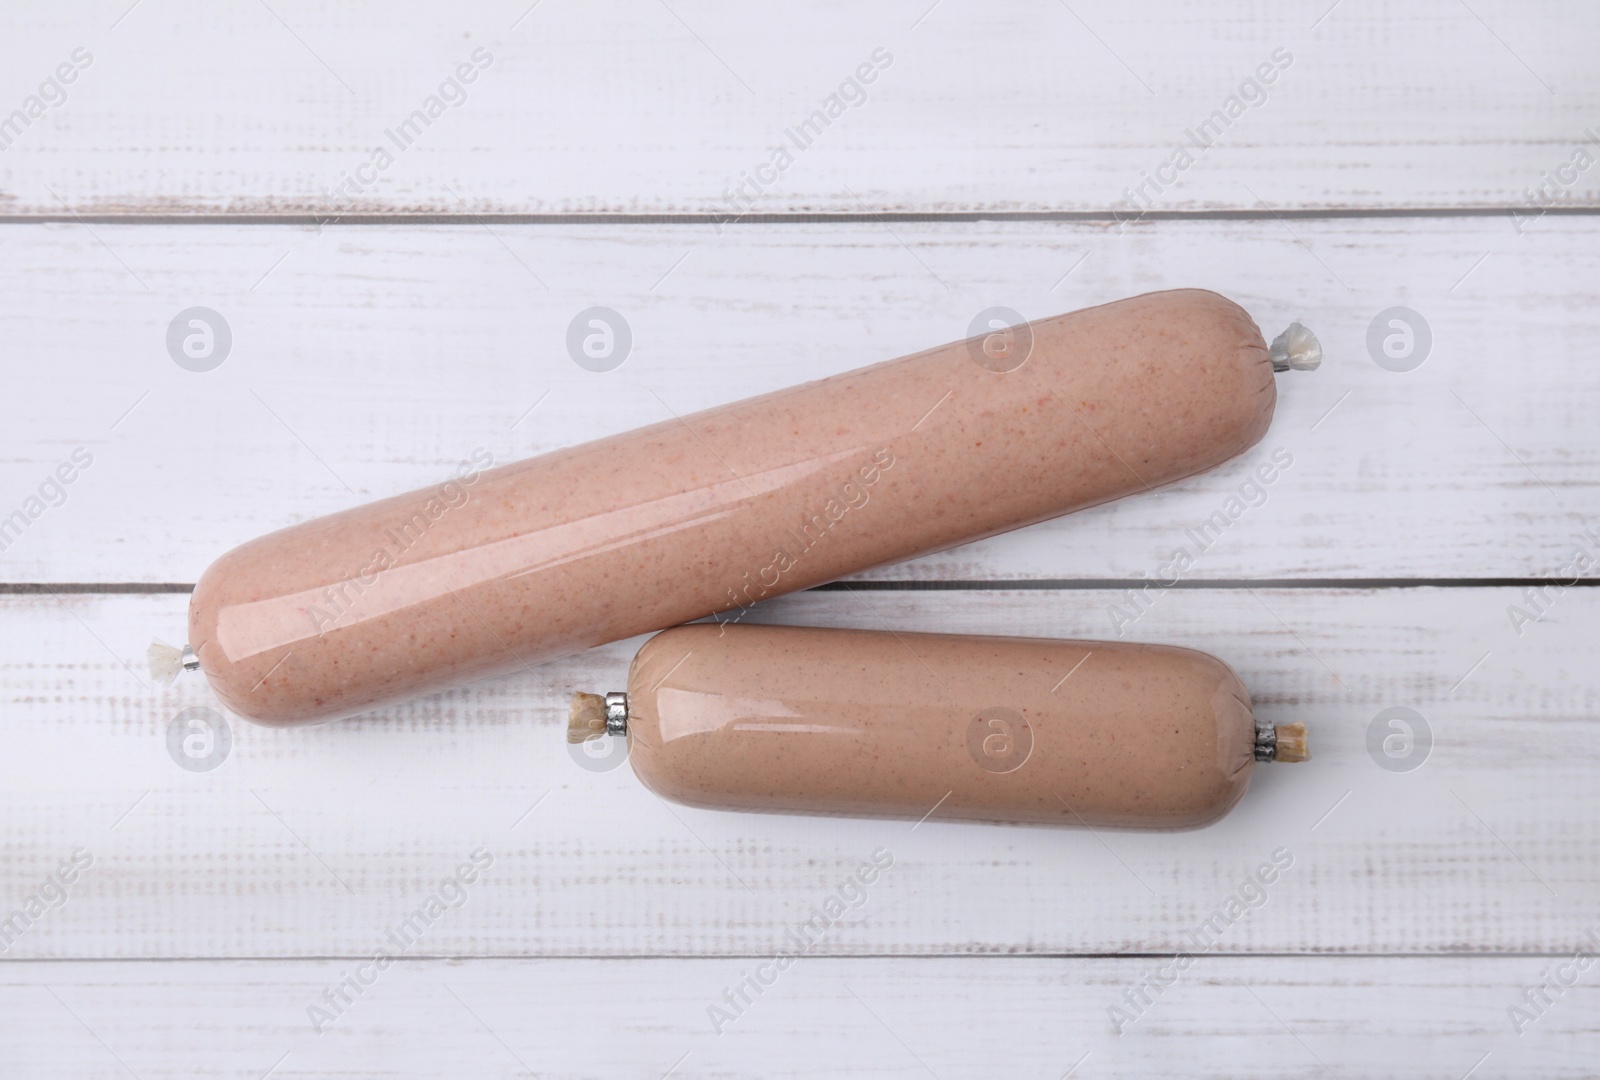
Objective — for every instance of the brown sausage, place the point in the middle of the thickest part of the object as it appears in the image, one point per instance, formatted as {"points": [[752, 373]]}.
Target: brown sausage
{"points": [[967, 728], [711, 512]]}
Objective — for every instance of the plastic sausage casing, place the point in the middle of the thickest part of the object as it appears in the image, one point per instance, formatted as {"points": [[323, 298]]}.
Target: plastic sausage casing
{"points": [[712, 512], [968, 728]]}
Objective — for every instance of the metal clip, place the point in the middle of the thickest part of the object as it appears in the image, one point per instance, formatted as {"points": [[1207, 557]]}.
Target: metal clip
{"points": [[616, 713]]}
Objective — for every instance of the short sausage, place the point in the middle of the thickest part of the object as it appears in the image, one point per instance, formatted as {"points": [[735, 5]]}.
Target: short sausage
{"points": [[959, 727]]}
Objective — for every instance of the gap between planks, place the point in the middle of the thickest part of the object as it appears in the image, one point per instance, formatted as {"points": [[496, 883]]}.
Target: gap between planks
{"points": [[1109, 217], [156, 588], [433, 958]]}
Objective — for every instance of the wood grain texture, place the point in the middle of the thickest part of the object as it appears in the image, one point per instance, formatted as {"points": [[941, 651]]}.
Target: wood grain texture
{"points": [[948, 1018], [651, 108], [316, 842], [368, 361]]}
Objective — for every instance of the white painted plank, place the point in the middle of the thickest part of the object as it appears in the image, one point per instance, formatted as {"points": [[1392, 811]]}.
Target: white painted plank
{"points": [[947, 1017], [367, 361], [314, 842], [620, 107]]}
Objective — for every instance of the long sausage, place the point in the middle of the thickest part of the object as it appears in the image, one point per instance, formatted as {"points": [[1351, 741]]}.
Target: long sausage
{"points": [[506, 567], [965, 728]]}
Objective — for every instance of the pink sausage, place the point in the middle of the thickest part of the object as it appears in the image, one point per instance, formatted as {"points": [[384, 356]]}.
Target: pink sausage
{"points": [[710, 513], [1085, 733]]}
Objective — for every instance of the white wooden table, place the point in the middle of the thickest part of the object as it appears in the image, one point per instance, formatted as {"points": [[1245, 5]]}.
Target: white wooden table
{"points": [[388, 318]]}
